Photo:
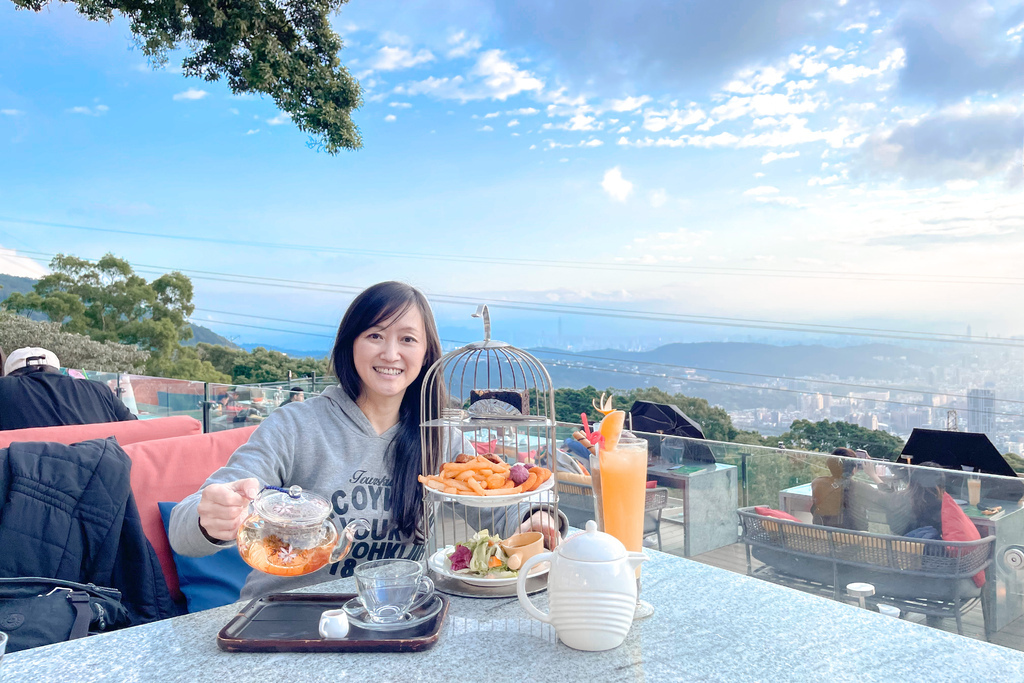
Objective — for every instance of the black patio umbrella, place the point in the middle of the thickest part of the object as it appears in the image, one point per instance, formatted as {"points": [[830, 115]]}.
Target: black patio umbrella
{"points": [[663, 418], [669, 420], [953, 450]]}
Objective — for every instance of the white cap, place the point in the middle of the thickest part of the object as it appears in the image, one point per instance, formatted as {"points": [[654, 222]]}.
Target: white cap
{"points": [[30, 355]]}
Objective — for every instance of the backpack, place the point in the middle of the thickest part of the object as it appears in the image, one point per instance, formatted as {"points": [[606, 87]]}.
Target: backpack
{"points": [[37, 611]]}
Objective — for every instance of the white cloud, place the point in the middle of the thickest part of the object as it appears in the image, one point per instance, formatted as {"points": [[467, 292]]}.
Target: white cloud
{"points": [[394, 58], [485, 129], [822, 181], [624, 129], [848, 73], [582, 122], [962, 184], [502, 77], [524, 111], [630, 103], [191, 94], [390, 118], [399, 105], [20, 266], [11, 112], [657, 198], [617, 187], [492, 77], [252, 131], [513, 123], [492, 115], [775, 156], [462, 45], [855, 27], [592, 143], [761, 191], [98, 110], [281, 118], [676, 119], [833, 52]]}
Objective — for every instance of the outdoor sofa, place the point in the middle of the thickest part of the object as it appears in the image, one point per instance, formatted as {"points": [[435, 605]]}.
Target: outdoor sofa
{"points": [[930, 577]]}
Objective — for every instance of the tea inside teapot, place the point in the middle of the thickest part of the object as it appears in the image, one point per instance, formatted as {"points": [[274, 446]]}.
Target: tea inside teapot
{"points": [[288, 533]]}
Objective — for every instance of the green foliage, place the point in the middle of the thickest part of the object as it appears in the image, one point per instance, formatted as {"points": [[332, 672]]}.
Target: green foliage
{"points": [[73, 350], [259, 365], [716, 423], [1016, 462], [108, 302], [285, 49], [826, 436]]}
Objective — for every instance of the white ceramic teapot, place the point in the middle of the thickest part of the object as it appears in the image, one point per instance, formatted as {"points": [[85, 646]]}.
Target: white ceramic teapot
{"points": [[591, 589]]}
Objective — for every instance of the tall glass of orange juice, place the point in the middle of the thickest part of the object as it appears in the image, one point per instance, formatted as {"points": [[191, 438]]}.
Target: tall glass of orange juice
{"points": [[620, 491]]}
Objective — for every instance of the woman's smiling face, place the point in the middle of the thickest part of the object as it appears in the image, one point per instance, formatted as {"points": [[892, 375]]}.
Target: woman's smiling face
{"points": [[389, 356]]}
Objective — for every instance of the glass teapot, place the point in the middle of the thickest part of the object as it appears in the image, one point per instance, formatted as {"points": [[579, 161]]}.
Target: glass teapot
{"points": [[290, 532]]}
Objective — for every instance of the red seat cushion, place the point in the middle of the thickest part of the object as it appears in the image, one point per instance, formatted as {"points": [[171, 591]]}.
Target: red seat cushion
{"points": [[170, 470], [957, 526], [777, 514], [129, 431]]}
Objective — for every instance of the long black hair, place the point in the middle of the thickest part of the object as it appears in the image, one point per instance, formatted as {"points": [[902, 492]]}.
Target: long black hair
{"points": [[375, 306]]}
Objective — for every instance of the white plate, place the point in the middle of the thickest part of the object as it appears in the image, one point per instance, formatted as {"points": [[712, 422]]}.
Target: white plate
{"points": [[438, 562], [494, 501]]}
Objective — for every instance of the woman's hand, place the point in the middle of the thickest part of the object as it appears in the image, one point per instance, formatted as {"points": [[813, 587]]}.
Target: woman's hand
{"points": [[223, 507], [544, 523]]}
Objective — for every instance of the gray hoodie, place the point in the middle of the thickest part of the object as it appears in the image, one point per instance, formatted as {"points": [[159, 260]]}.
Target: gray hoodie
{"points": [[326, 445]]}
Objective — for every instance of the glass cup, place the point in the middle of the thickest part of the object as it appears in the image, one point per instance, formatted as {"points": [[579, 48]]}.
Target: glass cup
{"points": [[620, 492], [974, 490], [390, 589]]}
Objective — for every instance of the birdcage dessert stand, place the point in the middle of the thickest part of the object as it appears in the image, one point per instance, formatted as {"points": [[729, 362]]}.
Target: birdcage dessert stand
{"points": [[485, 398]]}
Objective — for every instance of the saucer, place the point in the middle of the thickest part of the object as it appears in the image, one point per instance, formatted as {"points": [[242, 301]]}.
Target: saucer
{"points": [[425, 612]]}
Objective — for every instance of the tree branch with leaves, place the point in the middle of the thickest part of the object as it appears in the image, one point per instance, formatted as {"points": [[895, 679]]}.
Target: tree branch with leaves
{"points": [[285, 49]]}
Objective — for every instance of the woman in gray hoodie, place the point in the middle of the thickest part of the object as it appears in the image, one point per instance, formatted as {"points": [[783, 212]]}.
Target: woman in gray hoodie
{"points": [[357, 444]]}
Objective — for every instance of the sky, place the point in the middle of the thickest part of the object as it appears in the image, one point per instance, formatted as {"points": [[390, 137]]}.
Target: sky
{"points": [[840, 162]]}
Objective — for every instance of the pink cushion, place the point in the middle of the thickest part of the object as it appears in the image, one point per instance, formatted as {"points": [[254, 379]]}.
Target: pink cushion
{"points": [[170, 470], [130, 431], [957, 526], [777, 514]]}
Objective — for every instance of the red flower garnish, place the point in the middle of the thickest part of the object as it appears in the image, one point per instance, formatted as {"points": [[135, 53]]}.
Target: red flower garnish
{"points": [[593, 437]]}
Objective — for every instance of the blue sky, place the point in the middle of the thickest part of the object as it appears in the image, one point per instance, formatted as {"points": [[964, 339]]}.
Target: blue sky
{"points": [[734, 150]]}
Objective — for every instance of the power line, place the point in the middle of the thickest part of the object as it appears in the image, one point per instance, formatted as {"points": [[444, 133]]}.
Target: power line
{"points": [[872, 387], [552, 263], [652, 316], [665, 376]]}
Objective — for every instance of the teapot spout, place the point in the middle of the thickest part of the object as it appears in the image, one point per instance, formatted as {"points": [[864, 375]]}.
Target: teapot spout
{"points": [[346, 537], [636, 559]]}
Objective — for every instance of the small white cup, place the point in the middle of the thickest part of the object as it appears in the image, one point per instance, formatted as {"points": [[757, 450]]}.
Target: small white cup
{"points": [[333, 624]]}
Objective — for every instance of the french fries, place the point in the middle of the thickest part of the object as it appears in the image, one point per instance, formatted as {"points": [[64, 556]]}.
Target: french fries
{"points": [[480, 476]]}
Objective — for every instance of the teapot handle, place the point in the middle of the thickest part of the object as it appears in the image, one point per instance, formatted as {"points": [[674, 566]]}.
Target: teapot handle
{"points": [[346, 536], [524, 599]]}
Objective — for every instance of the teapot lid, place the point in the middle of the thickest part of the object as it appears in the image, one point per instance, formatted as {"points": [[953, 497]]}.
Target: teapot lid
{"points": [[291, 507], [592, 546]]}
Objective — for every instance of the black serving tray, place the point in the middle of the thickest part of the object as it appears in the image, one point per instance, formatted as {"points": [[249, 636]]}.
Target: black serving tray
{"points": [[290, 622]]}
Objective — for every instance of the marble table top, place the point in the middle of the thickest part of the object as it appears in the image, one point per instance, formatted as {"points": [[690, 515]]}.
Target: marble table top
{"points": [[709, 625]]}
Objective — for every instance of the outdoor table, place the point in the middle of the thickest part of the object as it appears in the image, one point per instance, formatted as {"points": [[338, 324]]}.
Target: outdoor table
{"points": [[709, 625], [709, 493]]}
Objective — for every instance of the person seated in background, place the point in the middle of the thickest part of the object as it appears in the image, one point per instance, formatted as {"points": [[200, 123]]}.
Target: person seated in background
{"points": [[3, 359], [295, 395], [34, 393], [833, 496]]}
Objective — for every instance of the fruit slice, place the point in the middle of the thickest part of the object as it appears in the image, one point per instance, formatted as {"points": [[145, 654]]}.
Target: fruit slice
{"points": [[605, 406], [611, 428]]}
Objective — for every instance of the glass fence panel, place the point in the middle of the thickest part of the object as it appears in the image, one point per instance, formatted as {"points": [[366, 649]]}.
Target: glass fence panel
{"points": [[243, 405], [942, 547], [150, 397]]}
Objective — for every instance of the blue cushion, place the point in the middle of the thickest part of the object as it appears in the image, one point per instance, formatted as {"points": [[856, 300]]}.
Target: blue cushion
{"points": [[211, 581]]}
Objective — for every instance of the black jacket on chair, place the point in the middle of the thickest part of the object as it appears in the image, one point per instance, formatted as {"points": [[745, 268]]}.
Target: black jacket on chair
{"points": [[68, 513]]}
